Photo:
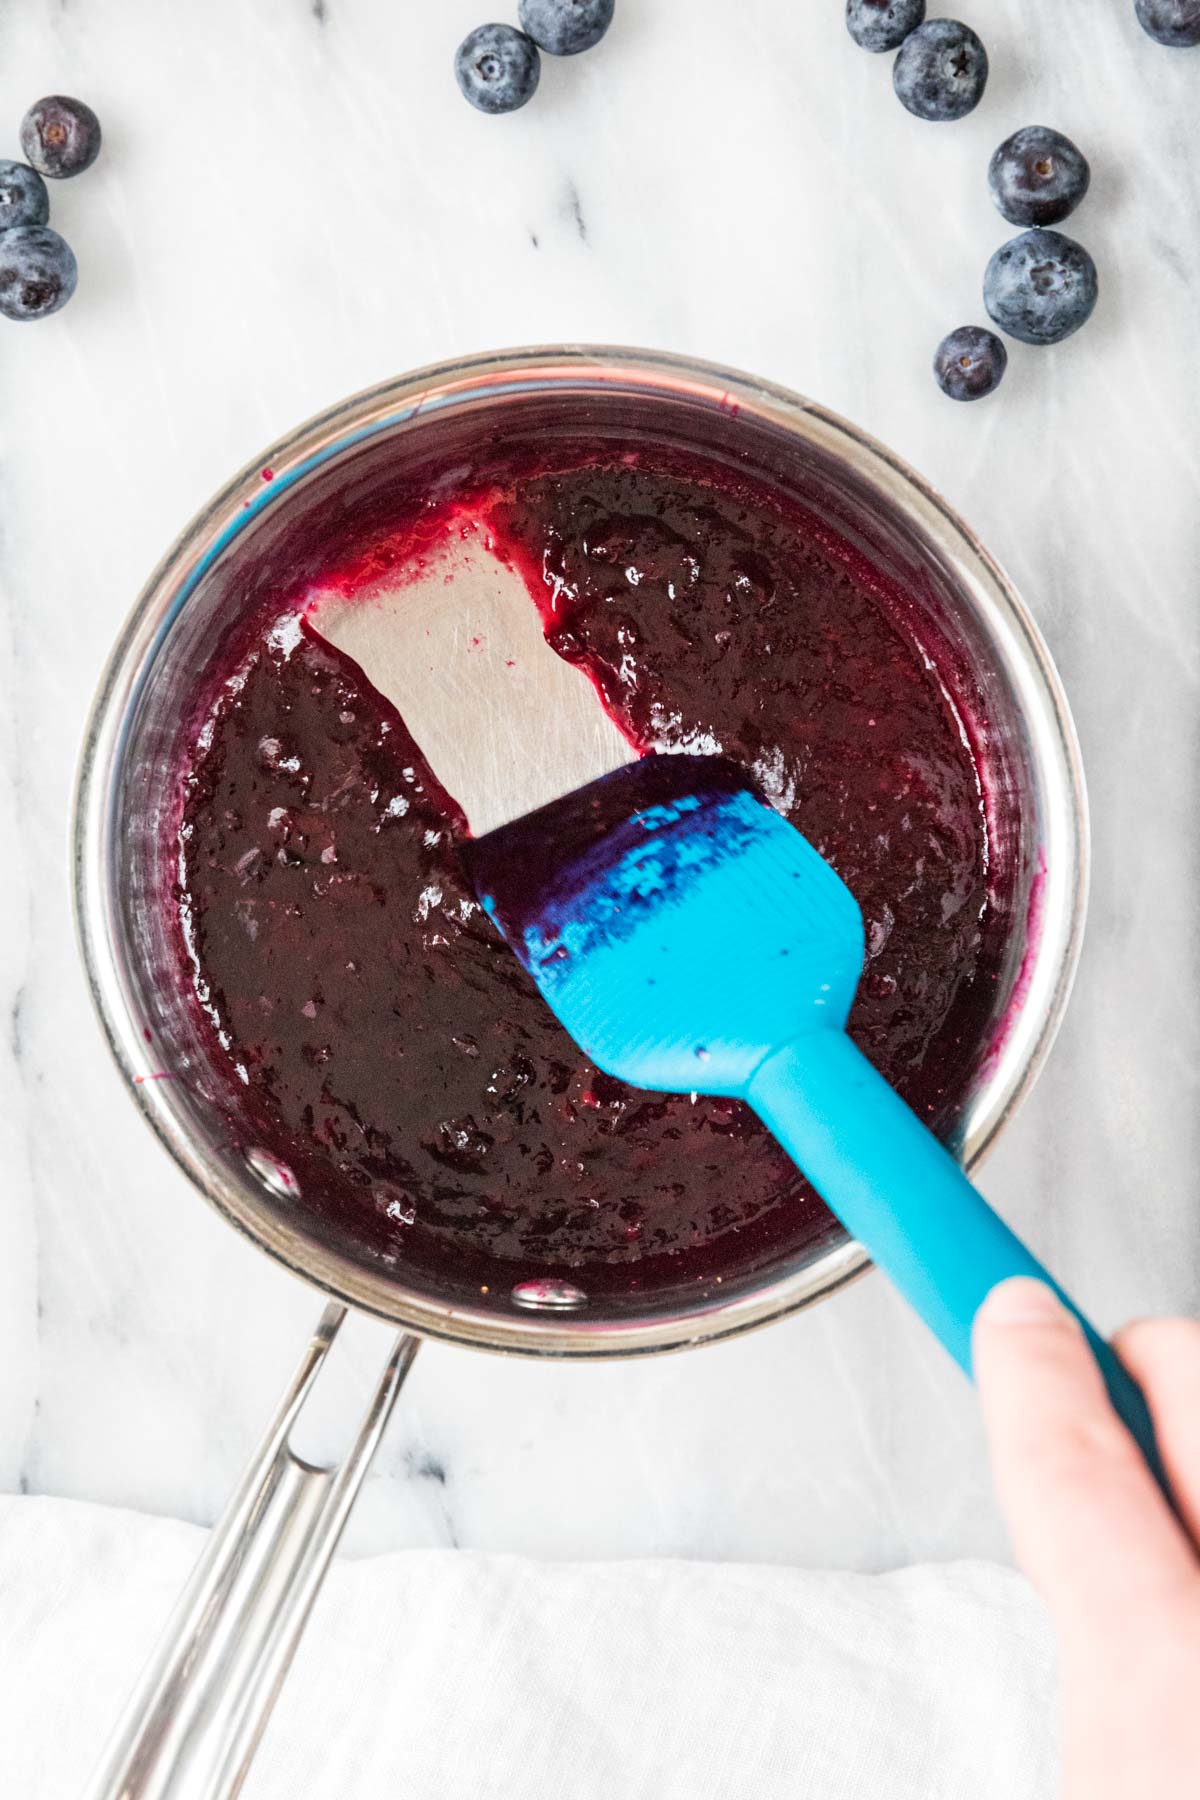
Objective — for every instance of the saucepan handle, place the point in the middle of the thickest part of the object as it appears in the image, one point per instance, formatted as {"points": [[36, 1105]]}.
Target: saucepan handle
{"points": [[195, 1719]]}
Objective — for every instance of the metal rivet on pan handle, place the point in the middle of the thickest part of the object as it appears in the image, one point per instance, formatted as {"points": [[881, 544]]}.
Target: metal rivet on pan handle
{"points": [[548, 1296]]}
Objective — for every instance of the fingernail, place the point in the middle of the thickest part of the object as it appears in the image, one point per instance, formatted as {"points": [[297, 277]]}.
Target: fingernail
{"points": [[1023, 1301]]}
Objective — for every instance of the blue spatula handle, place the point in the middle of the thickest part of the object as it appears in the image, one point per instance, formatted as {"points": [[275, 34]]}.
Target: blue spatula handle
{"points": [[908, 1203]]}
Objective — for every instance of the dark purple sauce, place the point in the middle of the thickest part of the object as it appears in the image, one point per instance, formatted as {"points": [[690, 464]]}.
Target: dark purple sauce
{"points": [[365, 1022]]}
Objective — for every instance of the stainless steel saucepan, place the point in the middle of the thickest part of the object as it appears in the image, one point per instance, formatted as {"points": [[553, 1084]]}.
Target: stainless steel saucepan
{"points": [[195, 1720]]}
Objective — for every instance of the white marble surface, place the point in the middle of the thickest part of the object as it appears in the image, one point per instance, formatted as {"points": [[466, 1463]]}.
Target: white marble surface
{"points": [[294, 202]]}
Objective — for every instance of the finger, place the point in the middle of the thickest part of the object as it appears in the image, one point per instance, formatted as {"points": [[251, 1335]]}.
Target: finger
{"points": [[1088, 1523], [1163, 1355]]}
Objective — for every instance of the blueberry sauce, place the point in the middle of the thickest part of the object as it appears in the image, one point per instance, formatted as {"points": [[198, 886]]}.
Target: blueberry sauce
{"points": [[365, 1022]]}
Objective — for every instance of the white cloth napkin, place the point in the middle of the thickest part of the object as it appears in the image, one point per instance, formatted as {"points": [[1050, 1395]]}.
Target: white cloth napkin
{"points": [[429, 1675]]}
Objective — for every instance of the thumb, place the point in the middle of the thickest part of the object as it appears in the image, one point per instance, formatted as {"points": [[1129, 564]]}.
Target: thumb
{"points": [[1088, 1523]]}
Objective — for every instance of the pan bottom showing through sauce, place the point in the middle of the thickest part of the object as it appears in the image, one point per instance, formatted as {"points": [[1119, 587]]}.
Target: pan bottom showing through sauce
{"points": [[362, 1021]]}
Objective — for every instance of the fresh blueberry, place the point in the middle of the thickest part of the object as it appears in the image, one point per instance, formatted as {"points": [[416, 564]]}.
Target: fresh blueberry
{"points": [[37, 272], [60, 136], [1037, 176], [882, 24], [1172, 22], [969, 363], [23, 196], [498, 68], [941, 70], [565, 27], [1040, 287]]}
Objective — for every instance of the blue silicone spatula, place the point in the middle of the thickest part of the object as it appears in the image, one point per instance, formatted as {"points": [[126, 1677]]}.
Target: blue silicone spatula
{"points": [[690, 939]]}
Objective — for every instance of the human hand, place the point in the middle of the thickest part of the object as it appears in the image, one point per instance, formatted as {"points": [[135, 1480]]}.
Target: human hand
{"points": [[1117, 1570]]}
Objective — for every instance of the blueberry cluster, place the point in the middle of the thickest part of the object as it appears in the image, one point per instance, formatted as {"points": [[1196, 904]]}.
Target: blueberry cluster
{"points": [[498, 67], [38, 272], [1040, 286], [942, 67]]}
